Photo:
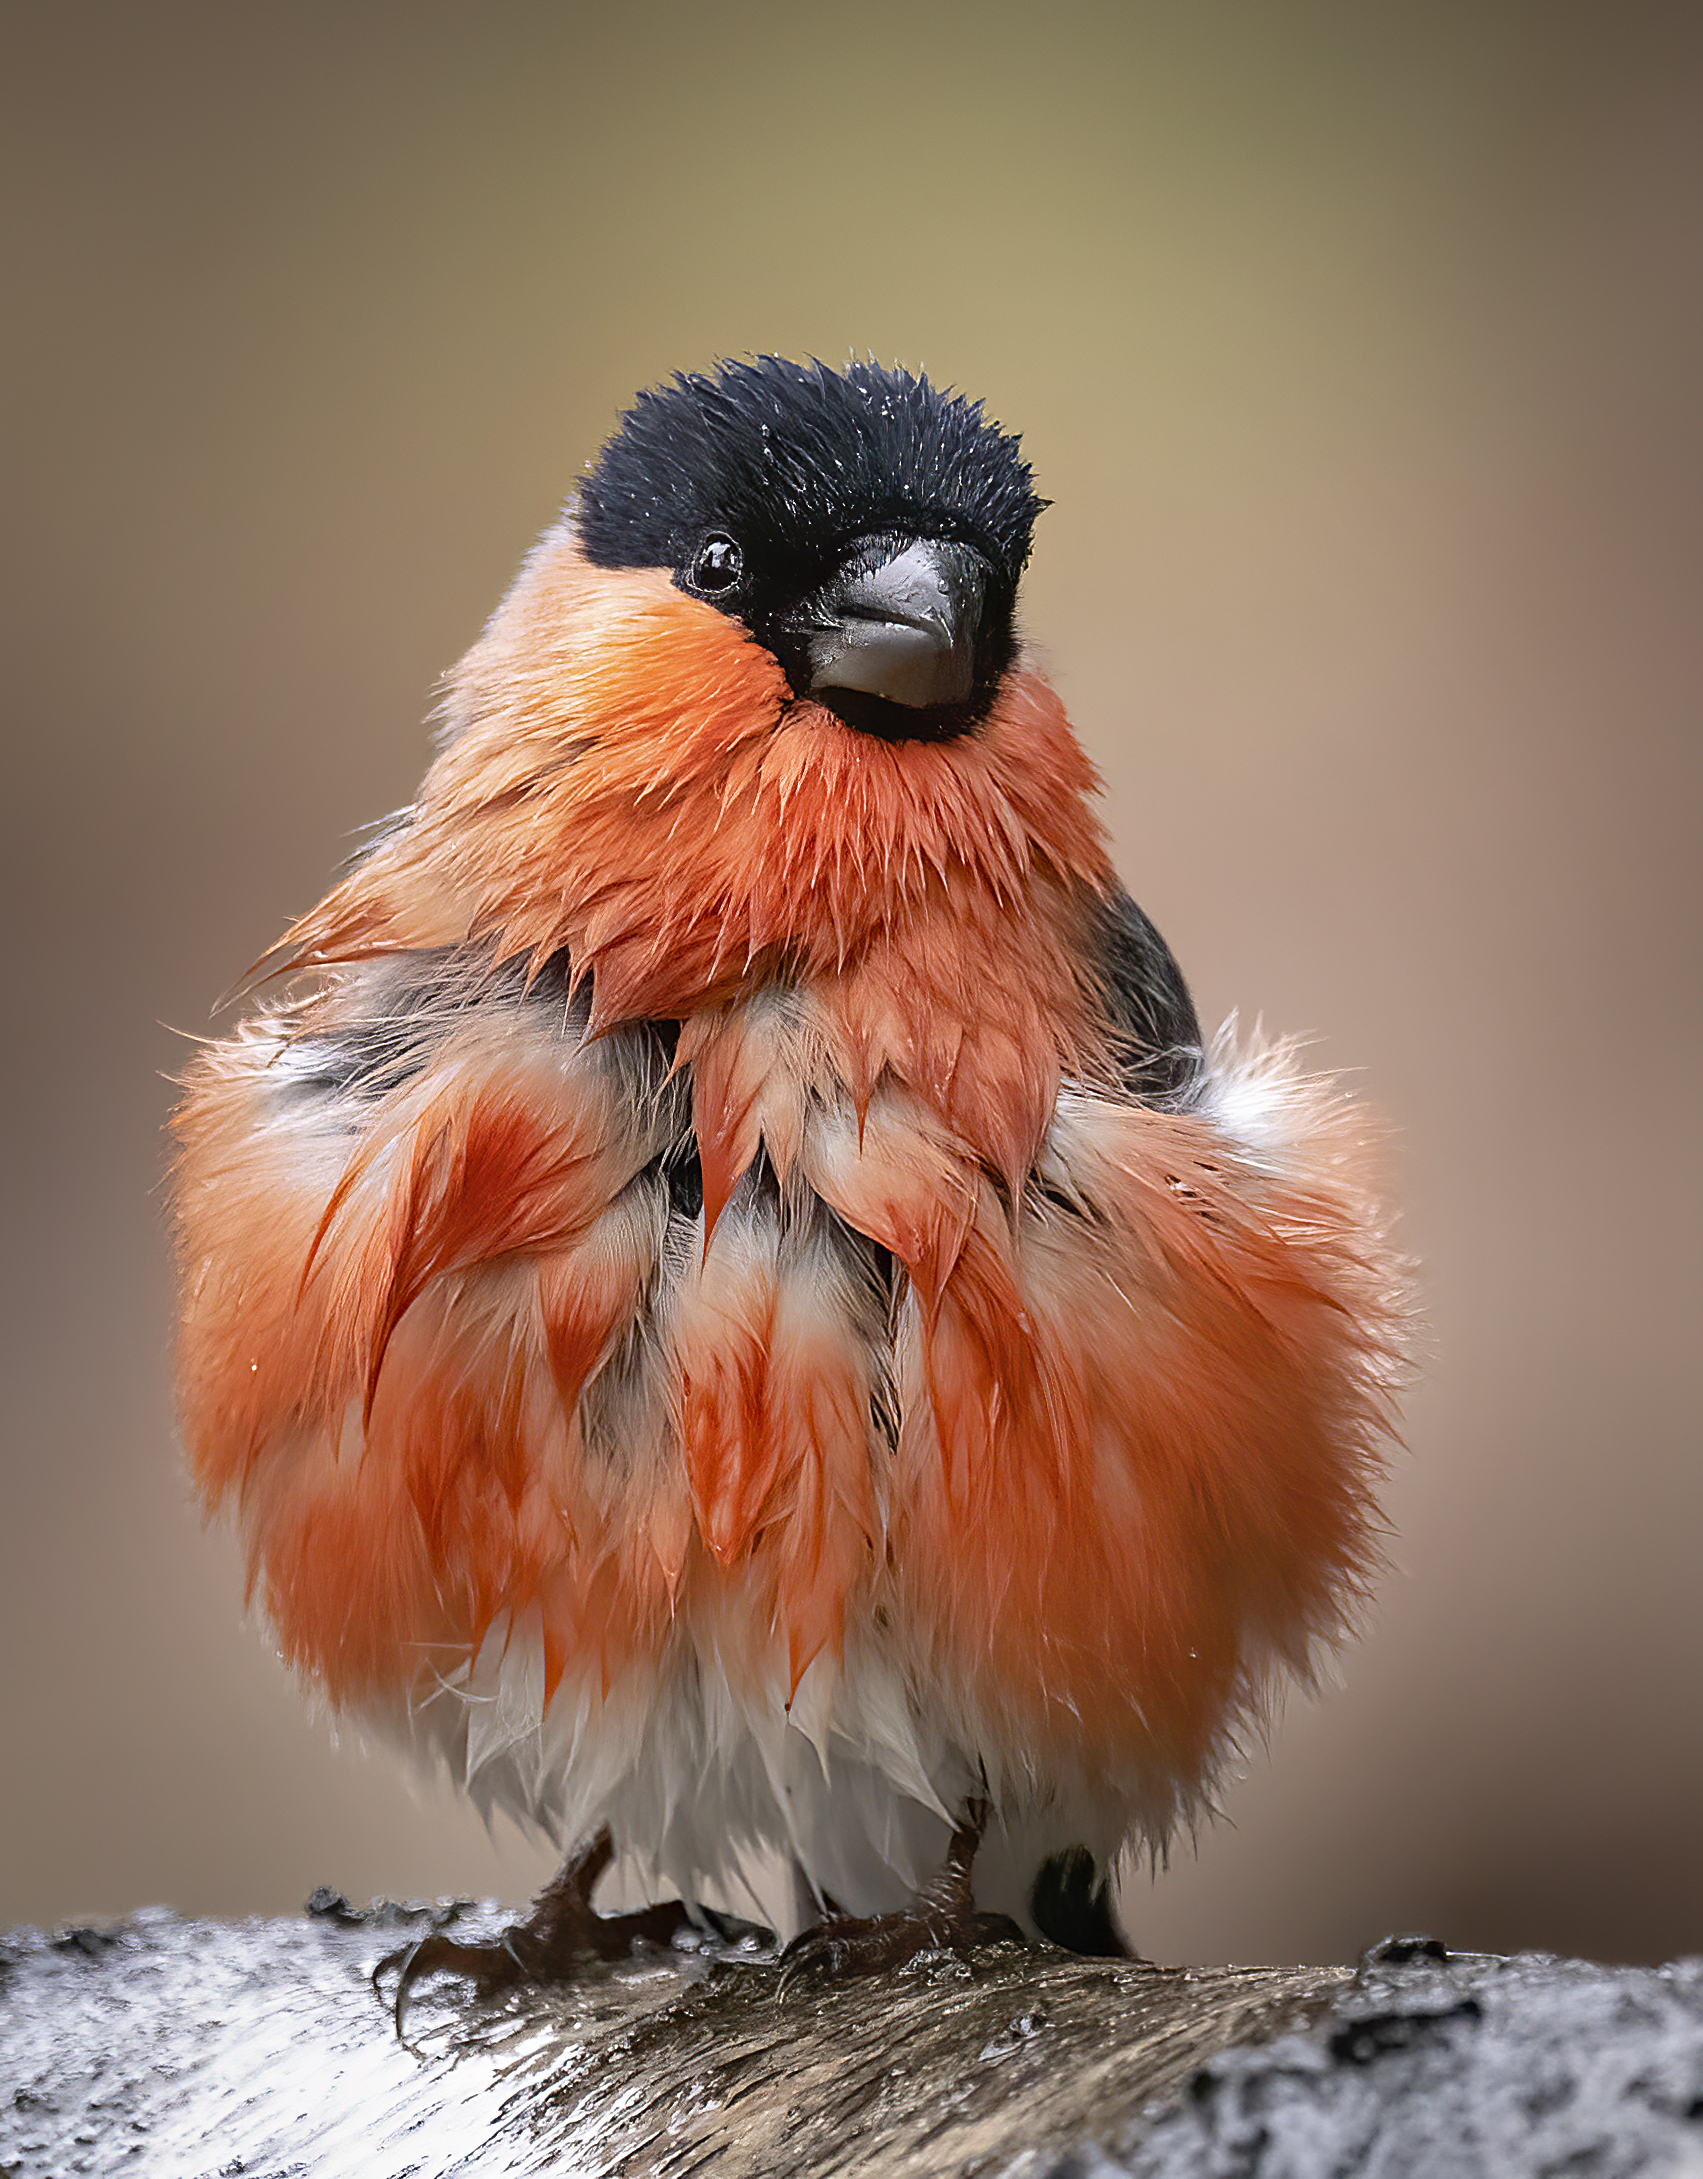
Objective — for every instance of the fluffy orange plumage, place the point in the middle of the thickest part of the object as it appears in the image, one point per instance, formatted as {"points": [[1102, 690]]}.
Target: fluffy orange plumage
{"points": [[977, 1446]]}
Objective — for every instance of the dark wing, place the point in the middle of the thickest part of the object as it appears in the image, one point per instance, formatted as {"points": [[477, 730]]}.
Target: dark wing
{"points": [[1139, 989]]}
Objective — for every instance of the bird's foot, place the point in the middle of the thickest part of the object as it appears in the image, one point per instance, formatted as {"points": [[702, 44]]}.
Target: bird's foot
{"points": [[943, 1917], [842, 1945], [555, 1943]]}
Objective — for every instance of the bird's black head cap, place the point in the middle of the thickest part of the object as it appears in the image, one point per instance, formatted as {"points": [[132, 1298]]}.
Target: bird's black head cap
{"points": [[795, 460], [866, 528]]}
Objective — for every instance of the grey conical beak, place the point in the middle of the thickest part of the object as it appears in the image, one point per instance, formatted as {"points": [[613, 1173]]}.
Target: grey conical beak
{"points": [[904, 629]]}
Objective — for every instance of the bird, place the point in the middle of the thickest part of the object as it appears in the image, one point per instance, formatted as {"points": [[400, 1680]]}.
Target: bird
{"points": [[728, 1296]]}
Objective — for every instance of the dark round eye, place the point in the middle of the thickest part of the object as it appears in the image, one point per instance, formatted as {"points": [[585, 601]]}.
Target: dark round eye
{"points": [[716, 566]]}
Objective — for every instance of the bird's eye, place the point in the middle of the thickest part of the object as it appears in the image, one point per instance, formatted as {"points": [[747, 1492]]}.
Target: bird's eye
{"points": [[716, 566]]}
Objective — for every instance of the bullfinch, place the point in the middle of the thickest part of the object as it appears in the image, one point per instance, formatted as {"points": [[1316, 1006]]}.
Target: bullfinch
{"points": [[728, 1297]]}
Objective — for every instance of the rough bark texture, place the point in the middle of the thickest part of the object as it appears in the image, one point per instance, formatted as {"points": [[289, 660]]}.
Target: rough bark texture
{"points": [[172, 2047]]}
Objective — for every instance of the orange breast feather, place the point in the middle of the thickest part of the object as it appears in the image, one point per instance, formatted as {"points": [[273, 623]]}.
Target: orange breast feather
{"points": [[1124, 1442]]}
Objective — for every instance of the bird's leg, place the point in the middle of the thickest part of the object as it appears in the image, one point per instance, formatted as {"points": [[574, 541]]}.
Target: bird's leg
{"points": [[561, 1934], [942, 1917]]}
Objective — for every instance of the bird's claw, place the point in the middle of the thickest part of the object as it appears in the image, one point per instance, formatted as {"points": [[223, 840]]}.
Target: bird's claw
{"points": [[555, 1948], [489, 1967], [847, 1945]]}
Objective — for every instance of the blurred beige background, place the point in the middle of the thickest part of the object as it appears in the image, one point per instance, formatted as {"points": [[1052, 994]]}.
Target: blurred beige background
{"points": [[1361, 351]]}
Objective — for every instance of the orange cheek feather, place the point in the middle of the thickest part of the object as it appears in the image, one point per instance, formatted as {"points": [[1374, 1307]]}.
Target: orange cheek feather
{"points": [[627, 777]]}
